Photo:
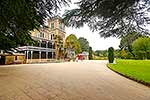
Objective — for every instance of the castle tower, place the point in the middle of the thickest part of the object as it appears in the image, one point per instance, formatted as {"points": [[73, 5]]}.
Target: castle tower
{"points": [[57, 28]]}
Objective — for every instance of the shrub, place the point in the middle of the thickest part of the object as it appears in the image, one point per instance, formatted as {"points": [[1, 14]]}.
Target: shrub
{"points": [[90, 53], [111, 54]]}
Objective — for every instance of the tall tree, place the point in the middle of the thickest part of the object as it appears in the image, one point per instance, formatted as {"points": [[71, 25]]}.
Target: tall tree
{"points": [[110, 17], [127, 40], [84, 44], [72, 44], [102, 53], [19, 17], [141, 47], [59, 46]]}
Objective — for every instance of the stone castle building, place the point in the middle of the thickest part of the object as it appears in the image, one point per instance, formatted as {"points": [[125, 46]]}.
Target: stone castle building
{"points": [[48, 42]]}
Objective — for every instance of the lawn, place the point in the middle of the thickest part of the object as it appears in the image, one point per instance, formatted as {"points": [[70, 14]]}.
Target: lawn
{"points": [[137, 69]]}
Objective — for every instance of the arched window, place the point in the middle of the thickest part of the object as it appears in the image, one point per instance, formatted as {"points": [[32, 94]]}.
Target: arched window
{"points": [[51, 36], [42, 35]]}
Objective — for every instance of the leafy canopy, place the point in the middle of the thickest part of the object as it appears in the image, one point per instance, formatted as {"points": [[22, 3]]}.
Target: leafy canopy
{"points": [[72, 44], [19, 17], [141, 47], [101, 53], [127, 40], [84, 44], [110, 17]]}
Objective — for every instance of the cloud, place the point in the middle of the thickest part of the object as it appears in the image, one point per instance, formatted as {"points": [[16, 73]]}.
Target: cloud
{"points": [[94, 38]]}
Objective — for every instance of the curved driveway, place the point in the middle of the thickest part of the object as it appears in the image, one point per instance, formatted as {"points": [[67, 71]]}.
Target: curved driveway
{"points": [[88, 80]]}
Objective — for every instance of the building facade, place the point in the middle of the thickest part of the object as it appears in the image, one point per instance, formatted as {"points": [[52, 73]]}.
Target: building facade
{"points": [[47, 44]]}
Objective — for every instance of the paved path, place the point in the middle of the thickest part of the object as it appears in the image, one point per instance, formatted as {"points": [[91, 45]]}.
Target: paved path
{"points": [[88, 80]]}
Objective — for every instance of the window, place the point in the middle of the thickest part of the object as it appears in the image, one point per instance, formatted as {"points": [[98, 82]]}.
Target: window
{"points": [[43, 44], [50, 45], [42, 35], [38, 34], [15, 57], [61, 26], [51, 37], [52, 25]]}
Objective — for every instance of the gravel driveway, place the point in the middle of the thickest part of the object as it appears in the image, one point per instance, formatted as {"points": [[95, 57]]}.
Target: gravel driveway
{"points": [[87, 80]]}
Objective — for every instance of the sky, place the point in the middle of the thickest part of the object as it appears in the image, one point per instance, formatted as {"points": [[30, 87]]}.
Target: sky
{"points": [[95, 41]]}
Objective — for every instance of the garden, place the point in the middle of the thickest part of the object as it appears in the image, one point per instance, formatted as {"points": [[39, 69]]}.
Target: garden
{"points": [[138, 70], [133, 58]]}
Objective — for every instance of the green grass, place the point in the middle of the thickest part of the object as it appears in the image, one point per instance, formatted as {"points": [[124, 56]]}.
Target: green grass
{"points": [[137, 69]]}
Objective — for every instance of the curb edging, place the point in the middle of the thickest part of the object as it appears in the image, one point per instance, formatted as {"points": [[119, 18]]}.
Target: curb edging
{"points": [[129, 77]]}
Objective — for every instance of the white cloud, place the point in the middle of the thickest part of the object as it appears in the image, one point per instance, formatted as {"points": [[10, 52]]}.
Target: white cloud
{"points": [[97, 42], [94, 38]]}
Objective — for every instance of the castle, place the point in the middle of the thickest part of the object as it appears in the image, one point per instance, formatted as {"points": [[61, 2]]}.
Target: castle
{"points": [[49, 40]]}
